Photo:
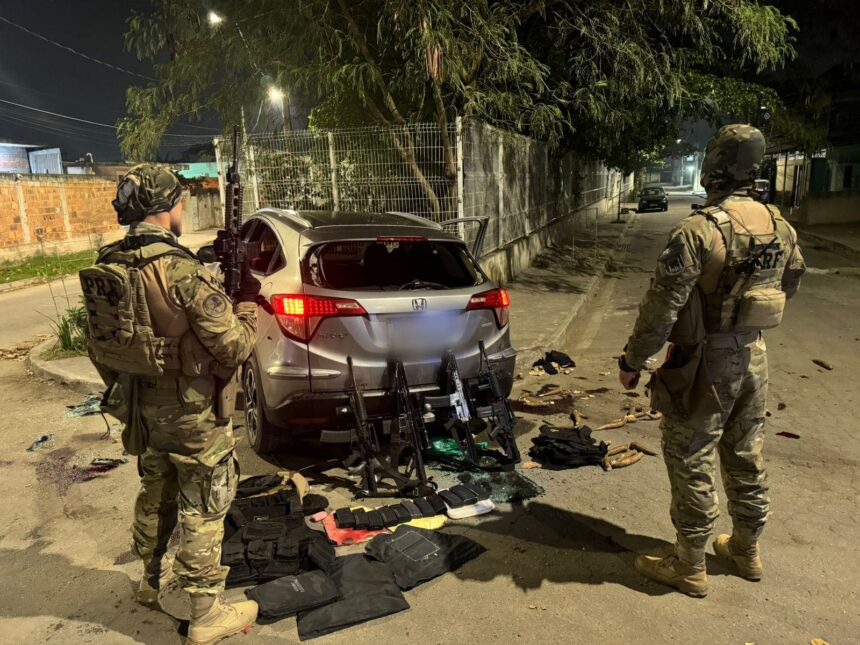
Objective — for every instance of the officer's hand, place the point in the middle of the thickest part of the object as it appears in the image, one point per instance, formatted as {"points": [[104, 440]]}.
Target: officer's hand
{"points": [[629, 379], [249, 286]]}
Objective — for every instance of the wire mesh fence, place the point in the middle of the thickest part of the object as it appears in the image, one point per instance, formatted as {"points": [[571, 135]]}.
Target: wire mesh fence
{"points": [[472, 169], [368, 169]]}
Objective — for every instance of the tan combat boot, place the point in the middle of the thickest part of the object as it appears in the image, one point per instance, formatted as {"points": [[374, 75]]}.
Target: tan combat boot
{"points": [[745, 556], [212, 620], [671, 570], [147, 592]]}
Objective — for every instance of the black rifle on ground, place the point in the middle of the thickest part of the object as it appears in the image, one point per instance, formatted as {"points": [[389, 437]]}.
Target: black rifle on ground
{"points": [[463, 423], [375, 465], [497, 409], [413, 438]]}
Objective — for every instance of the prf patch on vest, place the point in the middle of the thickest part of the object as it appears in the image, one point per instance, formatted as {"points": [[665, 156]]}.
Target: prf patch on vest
{"points": [[673, 260], [215, 305]]}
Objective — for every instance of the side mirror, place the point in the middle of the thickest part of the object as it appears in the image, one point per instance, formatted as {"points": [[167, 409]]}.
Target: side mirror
{"points": [[206, 254]]}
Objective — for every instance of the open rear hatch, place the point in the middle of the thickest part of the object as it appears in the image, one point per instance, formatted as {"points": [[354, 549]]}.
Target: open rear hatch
{"points": [[405, 297]]}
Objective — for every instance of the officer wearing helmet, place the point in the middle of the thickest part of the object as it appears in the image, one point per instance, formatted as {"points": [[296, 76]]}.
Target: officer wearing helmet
{"points": [[161, 330], [722, 279]]}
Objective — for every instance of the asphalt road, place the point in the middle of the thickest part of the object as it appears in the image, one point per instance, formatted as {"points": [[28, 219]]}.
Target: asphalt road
{"points": [[558, 568], [31, 311]]}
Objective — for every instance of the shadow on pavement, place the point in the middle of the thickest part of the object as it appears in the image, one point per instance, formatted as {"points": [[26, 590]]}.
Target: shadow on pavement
{"points": [[538, 542]]}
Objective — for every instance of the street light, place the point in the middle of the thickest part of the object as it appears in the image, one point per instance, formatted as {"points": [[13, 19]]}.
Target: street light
{"points": [[214, 19], [276, 96]]}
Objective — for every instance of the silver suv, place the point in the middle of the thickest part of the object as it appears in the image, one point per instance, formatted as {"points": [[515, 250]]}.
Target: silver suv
{"points": [[373, 288]]}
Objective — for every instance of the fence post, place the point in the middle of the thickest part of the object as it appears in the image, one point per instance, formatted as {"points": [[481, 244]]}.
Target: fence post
{"points": [[460, 201], [500, 178], [332, 164]]}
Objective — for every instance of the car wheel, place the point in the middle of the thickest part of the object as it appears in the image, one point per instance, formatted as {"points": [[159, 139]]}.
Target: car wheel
{"points": [[665, 208], [263, 435]]}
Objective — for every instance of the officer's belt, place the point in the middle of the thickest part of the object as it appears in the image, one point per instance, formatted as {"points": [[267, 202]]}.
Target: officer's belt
{"points": [[732, 341]]}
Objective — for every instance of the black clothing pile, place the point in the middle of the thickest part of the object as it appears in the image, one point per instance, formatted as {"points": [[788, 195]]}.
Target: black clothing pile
{"points": [[559, 358], [561, 448], [265, 536], [394, 514], [354, 589]]}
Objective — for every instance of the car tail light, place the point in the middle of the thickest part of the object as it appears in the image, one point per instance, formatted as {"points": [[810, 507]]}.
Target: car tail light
{"points": [[299, 315], [498, 300], [401, 238]]}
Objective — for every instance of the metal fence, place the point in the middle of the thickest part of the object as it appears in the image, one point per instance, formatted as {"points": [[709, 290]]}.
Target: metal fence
{"points": [[475, 169]]}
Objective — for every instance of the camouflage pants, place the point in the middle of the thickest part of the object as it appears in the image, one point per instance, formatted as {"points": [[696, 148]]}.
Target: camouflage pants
{"points": [[188, 477], [739, 375]]}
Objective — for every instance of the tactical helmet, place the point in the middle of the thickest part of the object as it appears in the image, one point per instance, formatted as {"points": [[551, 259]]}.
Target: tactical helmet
{"points": [[733, 157], [144, 190]]}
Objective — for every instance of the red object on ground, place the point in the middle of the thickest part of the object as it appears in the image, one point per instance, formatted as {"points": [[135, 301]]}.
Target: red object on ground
{"points": [[344, 537]]}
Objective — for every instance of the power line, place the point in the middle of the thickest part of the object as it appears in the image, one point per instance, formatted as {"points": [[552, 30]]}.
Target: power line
{"points": [[96, 123], [76, 53]]}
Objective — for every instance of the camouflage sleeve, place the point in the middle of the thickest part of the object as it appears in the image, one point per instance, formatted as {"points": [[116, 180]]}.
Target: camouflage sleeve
{"points": [[678, 268], [229, 336], [794, 268]]}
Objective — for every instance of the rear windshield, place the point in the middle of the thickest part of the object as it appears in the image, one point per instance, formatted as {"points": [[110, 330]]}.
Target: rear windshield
{"points": [[390, 265], [652, 191]]}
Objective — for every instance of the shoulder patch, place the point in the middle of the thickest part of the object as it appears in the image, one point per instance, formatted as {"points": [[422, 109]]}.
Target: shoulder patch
{"points": [[215, 305], [673, 260]]}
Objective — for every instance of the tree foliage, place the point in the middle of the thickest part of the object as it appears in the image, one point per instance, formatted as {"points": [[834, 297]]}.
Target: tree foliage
{"points": [[607, 78]]}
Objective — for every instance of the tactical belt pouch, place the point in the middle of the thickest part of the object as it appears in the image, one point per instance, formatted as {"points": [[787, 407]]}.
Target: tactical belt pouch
{"points": [[682, 386], [344, 518], [424, 506], [361, 521], [374, 521], [402, 514], [451, 500], [468, 495], [760, 308], [389, 517], [122, 401], [411, 508]]}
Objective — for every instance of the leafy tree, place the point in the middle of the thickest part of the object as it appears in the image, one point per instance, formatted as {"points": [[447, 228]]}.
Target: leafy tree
{"points": [[606, 78]]}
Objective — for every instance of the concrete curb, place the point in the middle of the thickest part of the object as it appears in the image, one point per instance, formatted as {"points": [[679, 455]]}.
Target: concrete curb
{"points": [[526, 356], [23, 284], [53, 371], [830, 245]]}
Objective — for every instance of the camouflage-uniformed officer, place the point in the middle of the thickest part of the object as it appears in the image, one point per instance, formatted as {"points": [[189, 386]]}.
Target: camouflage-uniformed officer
{"points": [[161, 330], [722, 279]]}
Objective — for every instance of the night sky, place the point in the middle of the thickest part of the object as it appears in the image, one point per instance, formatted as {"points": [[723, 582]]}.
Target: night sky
{"points": [[37, 74], [41, 75]]}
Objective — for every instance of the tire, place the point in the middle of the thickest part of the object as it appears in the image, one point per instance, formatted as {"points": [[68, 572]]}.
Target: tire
{"points": [[263, 435], [665, 208]]}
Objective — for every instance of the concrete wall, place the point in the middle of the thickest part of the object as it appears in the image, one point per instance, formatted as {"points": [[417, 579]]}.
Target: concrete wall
{"points": [[44, 214], [830, 208]]}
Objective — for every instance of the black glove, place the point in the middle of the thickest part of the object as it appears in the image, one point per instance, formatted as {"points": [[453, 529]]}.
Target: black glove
{"points": [[249, 286]]}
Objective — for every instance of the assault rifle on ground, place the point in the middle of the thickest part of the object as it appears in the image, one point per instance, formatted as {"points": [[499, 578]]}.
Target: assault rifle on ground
{"points": [[411, 439]]}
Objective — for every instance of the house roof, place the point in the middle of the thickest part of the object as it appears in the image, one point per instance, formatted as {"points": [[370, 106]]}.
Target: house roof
{"points": [[17, 144]]}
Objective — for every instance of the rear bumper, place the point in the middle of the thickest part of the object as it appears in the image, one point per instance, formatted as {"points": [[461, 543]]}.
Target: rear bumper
{"points": [[305, 411]]}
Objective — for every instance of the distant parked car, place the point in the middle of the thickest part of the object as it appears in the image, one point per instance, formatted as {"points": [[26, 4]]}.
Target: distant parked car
{"points": [[653, 198]]}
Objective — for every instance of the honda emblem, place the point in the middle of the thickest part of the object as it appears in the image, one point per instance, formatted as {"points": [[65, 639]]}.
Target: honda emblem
{"points": [[419, 304]]}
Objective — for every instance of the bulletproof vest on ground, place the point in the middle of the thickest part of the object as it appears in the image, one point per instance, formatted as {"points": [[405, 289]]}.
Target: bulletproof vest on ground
{"points": [[749, 295], [265, 535]]}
